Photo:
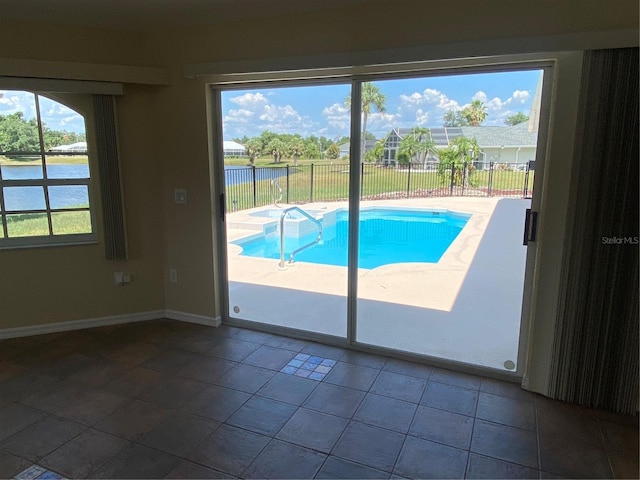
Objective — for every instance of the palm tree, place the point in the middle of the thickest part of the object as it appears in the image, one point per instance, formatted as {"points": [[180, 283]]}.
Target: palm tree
{"points": [[475, 113], [295, 149], [418, 142], [372, 96], [254, 149]]}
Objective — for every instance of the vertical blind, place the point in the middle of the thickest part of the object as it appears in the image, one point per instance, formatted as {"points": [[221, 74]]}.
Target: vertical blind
{"points": [[110, 183], [595, 350]]}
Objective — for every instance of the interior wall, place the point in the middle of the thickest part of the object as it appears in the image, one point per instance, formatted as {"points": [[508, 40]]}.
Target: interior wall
{"points": [[65, 283], [163, 134]]}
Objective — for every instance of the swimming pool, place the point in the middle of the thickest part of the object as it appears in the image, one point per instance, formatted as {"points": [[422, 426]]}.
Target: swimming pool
{"points": [[387, 235]]}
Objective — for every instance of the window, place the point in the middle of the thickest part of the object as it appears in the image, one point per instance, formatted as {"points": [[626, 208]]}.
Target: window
{"points": [[45, 183]]}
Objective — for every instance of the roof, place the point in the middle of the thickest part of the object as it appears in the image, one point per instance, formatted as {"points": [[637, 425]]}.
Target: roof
{"points": [[515, 136], [229, 145], [496, 136]]}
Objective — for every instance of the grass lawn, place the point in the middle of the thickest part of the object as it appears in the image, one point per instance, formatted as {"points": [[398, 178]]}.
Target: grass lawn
{"points": [[34, 224], [330, 182]]}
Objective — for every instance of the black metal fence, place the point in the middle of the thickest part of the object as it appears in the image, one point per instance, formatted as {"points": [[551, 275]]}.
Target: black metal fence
{"points": [[248, 187]]}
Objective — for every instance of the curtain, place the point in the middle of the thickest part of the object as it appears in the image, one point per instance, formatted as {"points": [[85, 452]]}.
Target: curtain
{"points": [[595, 349], [110, 184]]}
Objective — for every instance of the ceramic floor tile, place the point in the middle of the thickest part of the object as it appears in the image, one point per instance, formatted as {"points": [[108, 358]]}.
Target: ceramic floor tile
{"points": [[133, 421], [262, 415], [458, 379], [138, 461], [491, 468], [269, 357], [335, 400], [246, 378], [41, 438], [505, 443], [172, 391], [352, 376], [574, 458], [339, 468], [283, 460], [216, 403], [451, 398], [84, 454], [11, 465], [424, 459], [311, 429], [443, 427], [386, 412], [229, 449], [93, 407], [288, 389], [186, 469], [408, 368], [15, 417], [370, 446], [399, 386], [179, 433], [506, 411]]}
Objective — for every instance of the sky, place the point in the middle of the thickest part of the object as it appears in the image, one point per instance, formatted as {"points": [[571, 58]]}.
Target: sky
{"points": [[55, 115], [321, 110]]}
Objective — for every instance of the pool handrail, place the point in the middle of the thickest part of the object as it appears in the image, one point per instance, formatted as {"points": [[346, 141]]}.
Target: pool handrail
{"points": [[275, 183], [283, 214]]}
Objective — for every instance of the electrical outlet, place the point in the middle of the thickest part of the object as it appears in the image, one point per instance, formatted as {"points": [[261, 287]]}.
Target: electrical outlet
{"points": [[118, 278], [180, 196], [173, 275]]}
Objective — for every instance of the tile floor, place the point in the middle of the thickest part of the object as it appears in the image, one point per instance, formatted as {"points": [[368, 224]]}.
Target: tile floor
{"points": [[167, 399]]}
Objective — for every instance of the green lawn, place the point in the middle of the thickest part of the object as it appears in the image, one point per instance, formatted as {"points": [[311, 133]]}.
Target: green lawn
{"points": [[331, 183], [34, 224]]}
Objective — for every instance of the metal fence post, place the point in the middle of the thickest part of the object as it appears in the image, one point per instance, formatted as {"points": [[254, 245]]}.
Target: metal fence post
{"points": [[453, 172], [464, 176], [287, 183], [361, 179], [490, 182], [311, 189], [409, 180], [526, 182], [255, 193]]}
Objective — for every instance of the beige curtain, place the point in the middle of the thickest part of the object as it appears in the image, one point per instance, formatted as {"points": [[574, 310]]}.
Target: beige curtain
{"points": [[595, 356]]}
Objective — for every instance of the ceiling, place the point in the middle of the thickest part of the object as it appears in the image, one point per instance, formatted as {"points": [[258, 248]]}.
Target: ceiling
{"points": [[155, 15]]}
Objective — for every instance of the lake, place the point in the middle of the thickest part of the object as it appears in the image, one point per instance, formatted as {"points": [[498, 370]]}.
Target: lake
{"points": [[32, 198]]}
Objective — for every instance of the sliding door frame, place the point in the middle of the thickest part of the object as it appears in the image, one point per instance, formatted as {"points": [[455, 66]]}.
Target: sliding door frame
{"points": [[323, 77]]}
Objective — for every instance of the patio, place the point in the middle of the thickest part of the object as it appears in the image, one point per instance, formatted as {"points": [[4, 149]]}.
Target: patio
{"points": [[465, 308]]}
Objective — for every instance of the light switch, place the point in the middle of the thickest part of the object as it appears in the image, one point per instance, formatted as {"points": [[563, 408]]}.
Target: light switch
{"points": [[180, 196]]}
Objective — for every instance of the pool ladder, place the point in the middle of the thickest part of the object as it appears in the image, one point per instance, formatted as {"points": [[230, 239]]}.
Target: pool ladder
{"points": [[283, 214]]}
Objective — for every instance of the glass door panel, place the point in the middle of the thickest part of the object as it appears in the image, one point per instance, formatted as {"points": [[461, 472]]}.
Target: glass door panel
{"points": [[445, 182], [286, 192]]}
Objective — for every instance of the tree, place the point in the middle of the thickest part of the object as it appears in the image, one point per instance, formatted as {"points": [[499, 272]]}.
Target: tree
{"points": [[18, 134], [277, 148], [516, 118], [454, 118], [295, 149], [475, 113], [418, 143], [376, 153], [253, 146], [333, 151], [460, 154], [372, 97]]}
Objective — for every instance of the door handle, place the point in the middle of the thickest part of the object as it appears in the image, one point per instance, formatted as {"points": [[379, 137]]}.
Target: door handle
{"points": [[530, 226], [222, 207]]}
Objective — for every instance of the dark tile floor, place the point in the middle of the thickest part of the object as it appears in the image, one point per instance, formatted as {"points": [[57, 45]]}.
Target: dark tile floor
{"points": [[167, 399]]}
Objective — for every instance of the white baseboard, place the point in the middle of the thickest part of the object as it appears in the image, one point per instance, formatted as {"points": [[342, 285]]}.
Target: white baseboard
{"points": [[105, 321], [193, 318]]}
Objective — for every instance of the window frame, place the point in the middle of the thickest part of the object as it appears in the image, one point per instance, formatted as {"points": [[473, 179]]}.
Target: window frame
{"points": [[50, 239]]}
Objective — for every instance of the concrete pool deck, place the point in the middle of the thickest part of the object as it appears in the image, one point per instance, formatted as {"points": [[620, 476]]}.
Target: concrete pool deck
{"points": [[465, 308]]}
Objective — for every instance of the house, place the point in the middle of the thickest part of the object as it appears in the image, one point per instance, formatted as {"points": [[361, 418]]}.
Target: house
{"points": [[156, 62], [233, 149], [514, 145], [344, 148]]}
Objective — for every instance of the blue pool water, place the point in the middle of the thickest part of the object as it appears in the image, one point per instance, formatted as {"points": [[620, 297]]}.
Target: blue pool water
{"points": [[386, 236]]}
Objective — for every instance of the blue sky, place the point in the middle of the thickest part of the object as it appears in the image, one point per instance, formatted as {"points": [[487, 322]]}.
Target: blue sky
{"points": [[55, 115], [321, 110]]}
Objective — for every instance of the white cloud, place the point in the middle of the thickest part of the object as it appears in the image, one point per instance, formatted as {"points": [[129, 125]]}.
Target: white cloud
{"points": [[338, 116], [520, 96], [249, 100]]}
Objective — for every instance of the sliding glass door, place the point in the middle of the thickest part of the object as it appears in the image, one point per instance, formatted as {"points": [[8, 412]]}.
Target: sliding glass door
{"points": [[286, 172], [386, 213]]}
